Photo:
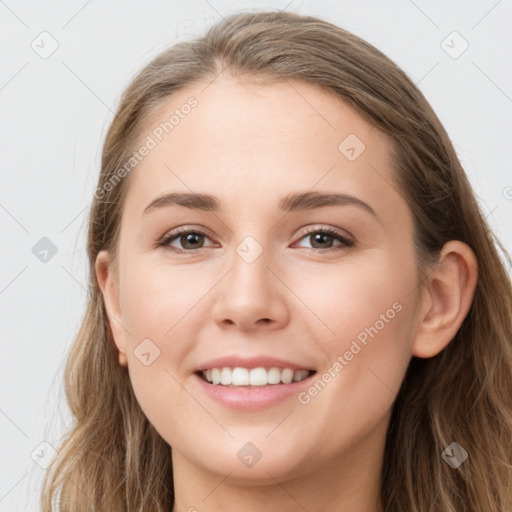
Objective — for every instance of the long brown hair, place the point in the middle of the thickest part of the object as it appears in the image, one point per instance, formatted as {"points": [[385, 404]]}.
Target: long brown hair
{"points": [[113, 459]]}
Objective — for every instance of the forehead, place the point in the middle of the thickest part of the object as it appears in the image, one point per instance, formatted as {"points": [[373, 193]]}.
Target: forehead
{"points": [[241, 138]]}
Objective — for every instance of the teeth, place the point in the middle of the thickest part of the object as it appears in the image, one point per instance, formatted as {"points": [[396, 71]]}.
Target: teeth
{"points": [[287, 376], [225, 376], [254, 377], [215, 376], [240, 376]]}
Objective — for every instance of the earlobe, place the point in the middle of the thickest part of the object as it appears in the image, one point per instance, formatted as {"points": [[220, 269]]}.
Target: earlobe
{"points": [[123, 361], [446, 299], [109, 290]]}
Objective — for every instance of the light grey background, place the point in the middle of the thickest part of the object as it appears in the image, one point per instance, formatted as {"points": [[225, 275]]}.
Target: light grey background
{"points": [[54, 115]]}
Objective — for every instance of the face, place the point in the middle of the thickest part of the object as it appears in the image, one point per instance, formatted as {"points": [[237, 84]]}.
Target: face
{"points": [[269, 279]]}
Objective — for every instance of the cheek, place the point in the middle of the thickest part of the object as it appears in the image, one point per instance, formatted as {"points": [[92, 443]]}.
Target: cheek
{"points": [[157, 299], [370, 315], [160, 313], [367, 361], [359, 301]]}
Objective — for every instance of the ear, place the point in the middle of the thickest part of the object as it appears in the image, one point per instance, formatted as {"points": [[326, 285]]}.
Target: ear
{"points": [[446, 299], [109, 289]]}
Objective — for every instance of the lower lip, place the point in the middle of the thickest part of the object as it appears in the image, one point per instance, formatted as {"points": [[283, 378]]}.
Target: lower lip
{"points": [[251, 397]]}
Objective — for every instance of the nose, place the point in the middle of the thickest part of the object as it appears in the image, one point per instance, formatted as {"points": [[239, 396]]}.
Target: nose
{"points": [[252, 296]]}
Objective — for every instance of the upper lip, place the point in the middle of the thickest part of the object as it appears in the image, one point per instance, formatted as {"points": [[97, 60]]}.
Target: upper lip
{"points": [[251, 362]]}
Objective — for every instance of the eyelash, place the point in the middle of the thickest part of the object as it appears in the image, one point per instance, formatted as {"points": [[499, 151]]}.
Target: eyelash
{"points": [[186, 230]]}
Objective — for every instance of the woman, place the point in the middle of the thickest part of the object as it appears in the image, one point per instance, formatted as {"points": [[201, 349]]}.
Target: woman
{"points": [[222, 364]]}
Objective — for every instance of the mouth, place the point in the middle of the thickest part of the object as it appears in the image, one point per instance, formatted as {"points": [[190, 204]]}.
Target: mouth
{"points": [[240, 377]]}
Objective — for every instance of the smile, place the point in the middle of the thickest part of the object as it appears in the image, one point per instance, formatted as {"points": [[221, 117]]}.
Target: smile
{"points": [[239, 376]]}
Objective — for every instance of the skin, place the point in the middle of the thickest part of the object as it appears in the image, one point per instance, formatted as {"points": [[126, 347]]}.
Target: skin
{"points": [[251, 144]]}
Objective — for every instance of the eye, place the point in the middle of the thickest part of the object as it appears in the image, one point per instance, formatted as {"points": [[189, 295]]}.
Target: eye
{"points": [[189, 238], [326, 235]]}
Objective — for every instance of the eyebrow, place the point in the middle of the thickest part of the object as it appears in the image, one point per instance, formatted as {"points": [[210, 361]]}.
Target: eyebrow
{"points": [[292, 202]]}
